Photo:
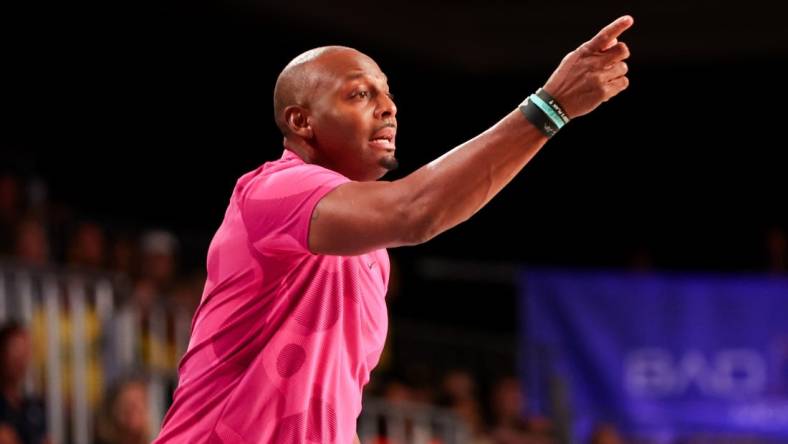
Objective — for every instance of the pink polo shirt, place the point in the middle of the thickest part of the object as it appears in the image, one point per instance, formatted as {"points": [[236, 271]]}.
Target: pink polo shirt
{"points": [[283, 340]]}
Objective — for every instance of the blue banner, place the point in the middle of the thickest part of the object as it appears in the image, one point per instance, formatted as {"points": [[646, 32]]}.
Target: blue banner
{"points": [[663, 358]]}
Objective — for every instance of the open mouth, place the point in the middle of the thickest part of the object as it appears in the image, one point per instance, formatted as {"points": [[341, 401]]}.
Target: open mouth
{"points": [[384, 138]]}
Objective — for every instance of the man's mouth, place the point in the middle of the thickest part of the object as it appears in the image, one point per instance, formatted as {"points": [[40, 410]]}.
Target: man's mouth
{"points": [[384, 138]]}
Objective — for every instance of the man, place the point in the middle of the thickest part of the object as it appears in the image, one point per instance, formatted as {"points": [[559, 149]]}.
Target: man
{"points": [[293, 317]]}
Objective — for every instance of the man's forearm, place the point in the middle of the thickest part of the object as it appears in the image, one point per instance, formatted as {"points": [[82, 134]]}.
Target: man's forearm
{"points": [[450, 189], [360, 217]]}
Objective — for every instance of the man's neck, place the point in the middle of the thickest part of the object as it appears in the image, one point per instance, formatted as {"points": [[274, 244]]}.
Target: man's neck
{"points": [[302, 150]]}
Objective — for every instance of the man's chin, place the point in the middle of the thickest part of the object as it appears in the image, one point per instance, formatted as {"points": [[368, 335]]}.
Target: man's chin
{"points": [[389, 162]]}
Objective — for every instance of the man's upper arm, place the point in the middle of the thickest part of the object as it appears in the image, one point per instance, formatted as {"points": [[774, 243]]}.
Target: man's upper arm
{"points": [[276, 208], [359, 217], [312, 209]]}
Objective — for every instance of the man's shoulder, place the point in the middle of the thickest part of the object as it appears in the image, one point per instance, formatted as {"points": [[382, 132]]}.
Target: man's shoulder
{"points": [[295, 174], [288, 167], [285, 177]]}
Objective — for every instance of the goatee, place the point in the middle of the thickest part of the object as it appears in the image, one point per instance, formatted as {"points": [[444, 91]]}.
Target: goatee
{"points": [[389, 162]]}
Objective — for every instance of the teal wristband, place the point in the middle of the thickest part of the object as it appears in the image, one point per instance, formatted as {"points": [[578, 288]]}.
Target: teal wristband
{"points": [[547, 109], [550, 100], [538, 118]]}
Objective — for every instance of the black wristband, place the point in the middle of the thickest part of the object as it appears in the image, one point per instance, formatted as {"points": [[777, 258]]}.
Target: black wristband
{"points": [[538, 118], [550, 100]]}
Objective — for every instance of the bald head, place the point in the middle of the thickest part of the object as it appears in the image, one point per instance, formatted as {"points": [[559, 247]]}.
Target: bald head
{"points": [[299, 80], [334, 108]]}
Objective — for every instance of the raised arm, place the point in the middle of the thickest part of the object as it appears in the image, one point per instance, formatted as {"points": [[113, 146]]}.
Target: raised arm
{"points": [[359, 217]]}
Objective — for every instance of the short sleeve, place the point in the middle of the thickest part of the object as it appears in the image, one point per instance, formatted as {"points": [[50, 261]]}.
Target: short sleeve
{"points": [[277, 208]]}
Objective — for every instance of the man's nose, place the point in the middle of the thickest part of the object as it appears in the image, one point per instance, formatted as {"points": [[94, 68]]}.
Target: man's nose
{"points": [[386, 107]]}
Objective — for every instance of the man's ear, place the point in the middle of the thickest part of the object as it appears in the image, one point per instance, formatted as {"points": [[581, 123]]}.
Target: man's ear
{"points": [[297, 120]]}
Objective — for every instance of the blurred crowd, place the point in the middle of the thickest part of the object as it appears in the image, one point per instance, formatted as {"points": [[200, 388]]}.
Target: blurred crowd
{"points": [[123, 417], [498, 416], [39, 234], [493, 411]]}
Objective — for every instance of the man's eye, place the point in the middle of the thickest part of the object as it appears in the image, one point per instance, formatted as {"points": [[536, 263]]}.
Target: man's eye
{"points": [[361, 94]]}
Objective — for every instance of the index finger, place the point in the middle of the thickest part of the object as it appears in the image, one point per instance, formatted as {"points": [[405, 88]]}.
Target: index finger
{"points": [[609, 33]]}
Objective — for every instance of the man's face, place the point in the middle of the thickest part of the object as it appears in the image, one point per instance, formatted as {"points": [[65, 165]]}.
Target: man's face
{"points": [[353, 116]]}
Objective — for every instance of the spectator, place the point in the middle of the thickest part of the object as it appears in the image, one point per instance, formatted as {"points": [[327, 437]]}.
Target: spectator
{"points": [[123, 255], [124, 418], [32, 245], [157, 280], [510, 423], [158, 269], [86, 248], [459, 395], [458, 385], [22, 418]]}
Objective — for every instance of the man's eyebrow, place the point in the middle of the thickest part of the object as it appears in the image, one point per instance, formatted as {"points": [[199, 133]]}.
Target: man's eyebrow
{"points": [[358, 75]]}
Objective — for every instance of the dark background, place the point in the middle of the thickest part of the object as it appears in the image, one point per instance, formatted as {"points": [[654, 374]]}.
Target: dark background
{"points": [[145, 113]]}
